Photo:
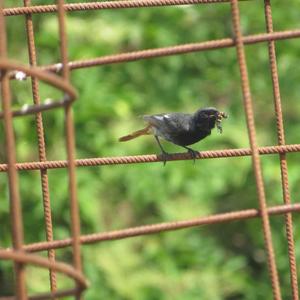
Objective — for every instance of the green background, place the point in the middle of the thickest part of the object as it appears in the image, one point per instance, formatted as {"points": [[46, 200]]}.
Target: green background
{"points": [[225, 261]]}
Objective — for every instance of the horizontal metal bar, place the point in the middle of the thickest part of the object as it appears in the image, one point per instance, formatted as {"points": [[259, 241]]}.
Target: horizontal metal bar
{"points": [[39, 9], [167, 51], [118, 160], [162, 227]]}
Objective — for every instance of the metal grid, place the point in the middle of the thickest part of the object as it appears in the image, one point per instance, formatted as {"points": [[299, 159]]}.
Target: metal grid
{"points": [[22, 254]]}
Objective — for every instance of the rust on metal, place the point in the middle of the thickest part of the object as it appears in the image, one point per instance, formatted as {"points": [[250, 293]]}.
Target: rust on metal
{"points": [[70, 141], [38, 9], [20, 253], [10, 152], [134, 159], [167, 51], [41, 144], [282, 156], [169, 226]]}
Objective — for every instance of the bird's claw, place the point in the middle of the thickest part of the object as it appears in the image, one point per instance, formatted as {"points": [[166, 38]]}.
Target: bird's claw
{"points": [[193, 153], [164, 157]]}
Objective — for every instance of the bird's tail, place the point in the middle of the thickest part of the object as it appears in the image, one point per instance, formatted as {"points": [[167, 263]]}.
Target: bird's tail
{"points": [[135, 134]]}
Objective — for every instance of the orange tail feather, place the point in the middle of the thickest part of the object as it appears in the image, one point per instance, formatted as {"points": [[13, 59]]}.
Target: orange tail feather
{"points": [[135, 134]]}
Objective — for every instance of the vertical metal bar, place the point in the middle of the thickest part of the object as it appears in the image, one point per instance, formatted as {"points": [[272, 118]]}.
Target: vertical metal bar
{"points": [[255, 155], [282, 156], [70, 145], [14, 197], [41, 144]]}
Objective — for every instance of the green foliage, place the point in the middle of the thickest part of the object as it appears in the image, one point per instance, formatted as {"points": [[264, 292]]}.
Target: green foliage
{"points": [[224, 261]]}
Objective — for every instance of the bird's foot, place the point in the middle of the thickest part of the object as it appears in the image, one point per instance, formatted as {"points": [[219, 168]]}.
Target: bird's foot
{"points": [[193, 153], [164, 157]]}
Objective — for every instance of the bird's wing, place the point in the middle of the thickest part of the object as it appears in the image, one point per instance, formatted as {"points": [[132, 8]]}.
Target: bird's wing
{"points": [[170, 122]]}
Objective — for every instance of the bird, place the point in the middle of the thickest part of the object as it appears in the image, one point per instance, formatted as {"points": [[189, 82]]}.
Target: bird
{"points": [[182, 129]]}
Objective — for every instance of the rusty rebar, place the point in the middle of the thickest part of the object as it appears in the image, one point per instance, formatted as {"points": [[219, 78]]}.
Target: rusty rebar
{"points": [[282, 156], [10, 69], [162, 227], [22, 257], [104, 5], [133, 159], [255, 154], [70, 141], [47, 77], [168, 51], [10, 151], [41, 144]]}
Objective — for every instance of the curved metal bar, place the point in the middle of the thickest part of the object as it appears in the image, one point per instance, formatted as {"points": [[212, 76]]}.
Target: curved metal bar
{"points": [[54, 80]]}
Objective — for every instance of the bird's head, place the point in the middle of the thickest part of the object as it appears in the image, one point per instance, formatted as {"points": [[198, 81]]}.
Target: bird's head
{"points": [[209, 117]]}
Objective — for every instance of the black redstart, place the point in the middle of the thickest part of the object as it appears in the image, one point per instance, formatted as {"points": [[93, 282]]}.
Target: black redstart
{"points": [[180, 128]]}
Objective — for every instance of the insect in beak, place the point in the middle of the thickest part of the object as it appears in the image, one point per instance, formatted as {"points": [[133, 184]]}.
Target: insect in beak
{"points": [[220, 116]]}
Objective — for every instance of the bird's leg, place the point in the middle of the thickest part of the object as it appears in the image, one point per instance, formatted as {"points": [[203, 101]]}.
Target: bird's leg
{"points": [[164, 154], [192, 152]]}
